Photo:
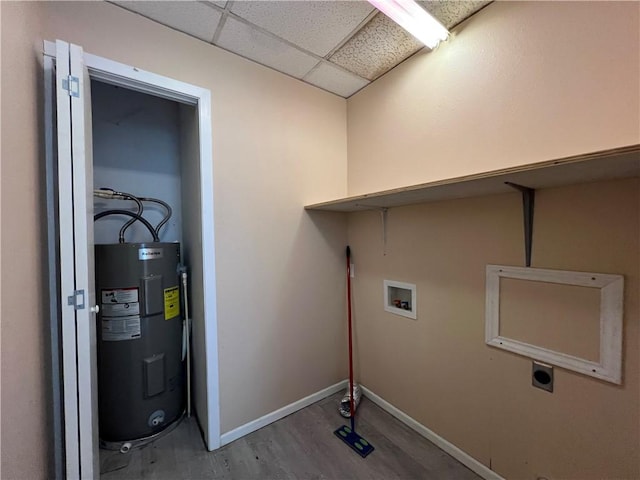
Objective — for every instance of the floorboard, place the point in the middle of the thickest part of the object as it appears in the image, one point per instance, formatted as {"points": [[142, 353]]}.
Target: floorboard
{"points": [[300, 446]]}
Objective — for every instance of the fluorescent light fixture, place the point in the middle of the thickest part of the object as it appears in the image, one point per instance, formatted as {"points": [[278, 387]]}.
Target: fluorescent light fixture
{"points": [[414, 19]]}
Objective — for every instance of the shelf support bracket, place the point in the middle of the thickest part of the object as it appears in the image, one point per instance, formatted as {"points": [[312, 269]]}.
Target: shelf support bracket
{"points": [[528, 200], [383, 214], [383, 218]]}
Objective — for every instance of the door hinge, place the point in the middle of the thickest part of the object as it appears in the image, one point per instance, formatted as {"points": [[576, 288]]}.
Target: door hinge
{"points": [[72, 85], [77, 300]]}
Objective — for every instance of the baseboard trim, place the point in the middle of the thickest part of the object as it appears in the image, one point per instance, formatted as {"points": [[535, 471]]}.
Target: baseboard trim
{"points": [[463, 457], [265, 420]]}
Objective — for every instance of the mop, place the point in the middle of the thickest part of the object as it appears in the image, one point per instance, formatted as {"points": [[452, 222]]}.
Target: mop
{"points": [[348, 434]]}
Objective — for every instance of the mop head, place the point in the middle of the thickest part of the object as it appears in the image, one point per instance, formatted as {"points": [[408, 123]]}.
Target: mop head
{"points": [[355, 441]]}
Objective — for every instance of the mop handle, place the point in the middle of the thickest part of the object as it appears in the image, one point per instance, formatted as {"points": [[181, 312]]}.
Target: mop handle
{"points": [[351, 400]]}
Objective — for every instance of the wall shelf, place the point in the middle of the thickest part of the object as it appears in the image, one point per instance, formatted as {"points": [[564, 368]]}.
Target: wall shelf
{"points": [[611, 164]]}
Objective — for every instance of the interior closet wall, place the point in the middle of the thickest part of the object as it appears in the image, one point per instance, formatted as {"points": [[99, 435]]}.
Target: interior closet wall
{"points": [[136, 149], [278, 144], [520, 82]]}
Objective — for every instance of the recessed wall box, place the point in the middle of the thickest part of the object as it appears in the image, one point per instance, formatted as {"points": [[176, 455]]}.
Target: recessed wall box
{"points": [[400, 298]]}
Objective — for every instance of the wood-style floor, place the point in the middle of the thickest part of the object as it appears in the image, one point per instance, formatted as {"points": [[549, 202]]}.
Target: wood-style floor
{"points": [[300, 446]]}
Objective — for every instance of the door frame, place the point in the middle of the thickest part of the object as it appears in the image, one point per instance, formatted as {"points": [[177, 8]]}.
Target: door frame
{"points": [[133, 78]]}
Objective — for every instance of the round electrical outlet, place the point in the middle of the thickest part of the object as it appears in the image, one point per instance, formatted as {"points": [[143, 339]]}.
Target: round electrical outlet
{"points": [[542, 377]]}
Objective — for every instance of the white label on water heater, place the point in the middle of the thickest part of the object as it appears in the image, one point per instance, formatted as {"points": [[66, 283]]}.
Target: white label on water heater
{"points": [[117, 329], [150, 253], [119, 295], [120, 309]]}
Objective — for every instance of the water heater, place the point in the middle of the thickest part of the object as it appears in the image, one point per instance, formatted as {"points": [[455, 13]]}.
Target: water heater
{"points": [[141, 387], [140, 369]]}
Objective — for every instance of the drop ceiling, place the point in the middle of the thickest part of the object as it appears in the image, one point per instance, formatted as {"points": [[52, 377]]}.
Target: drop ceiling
{"points": [[339, 46]]}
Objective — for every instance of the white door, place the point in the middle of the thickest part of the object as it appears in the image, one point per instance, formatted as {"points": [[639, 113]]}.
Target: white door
{"points": [[76, 247], [75, 200]]}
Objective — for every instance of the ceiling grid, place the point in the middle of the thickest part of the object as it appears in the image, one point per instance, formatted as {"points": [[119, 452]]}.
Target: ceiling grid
{"points": [[339, 46]]}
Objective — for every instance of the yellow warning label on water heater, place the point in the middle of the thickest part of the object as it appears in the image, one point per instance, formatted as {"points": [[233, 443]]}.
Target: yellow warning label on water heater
{"points": [[171, 302]]}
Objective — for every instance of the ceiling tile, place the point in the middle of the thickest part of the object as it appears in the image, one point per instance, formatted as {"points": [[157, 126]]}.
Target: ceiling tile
{"points": [[378, 47], [335, 80], [316, 26], [193, 18], [244, 40], [452, 12], [219, 3]]}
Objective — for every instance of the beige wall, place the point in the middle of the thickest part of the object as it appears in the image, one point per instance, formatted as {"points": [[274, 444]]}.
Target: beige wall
{"points": [[438, 369], [520, 82], [278, 144], [25, 420], [525, 82]]}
